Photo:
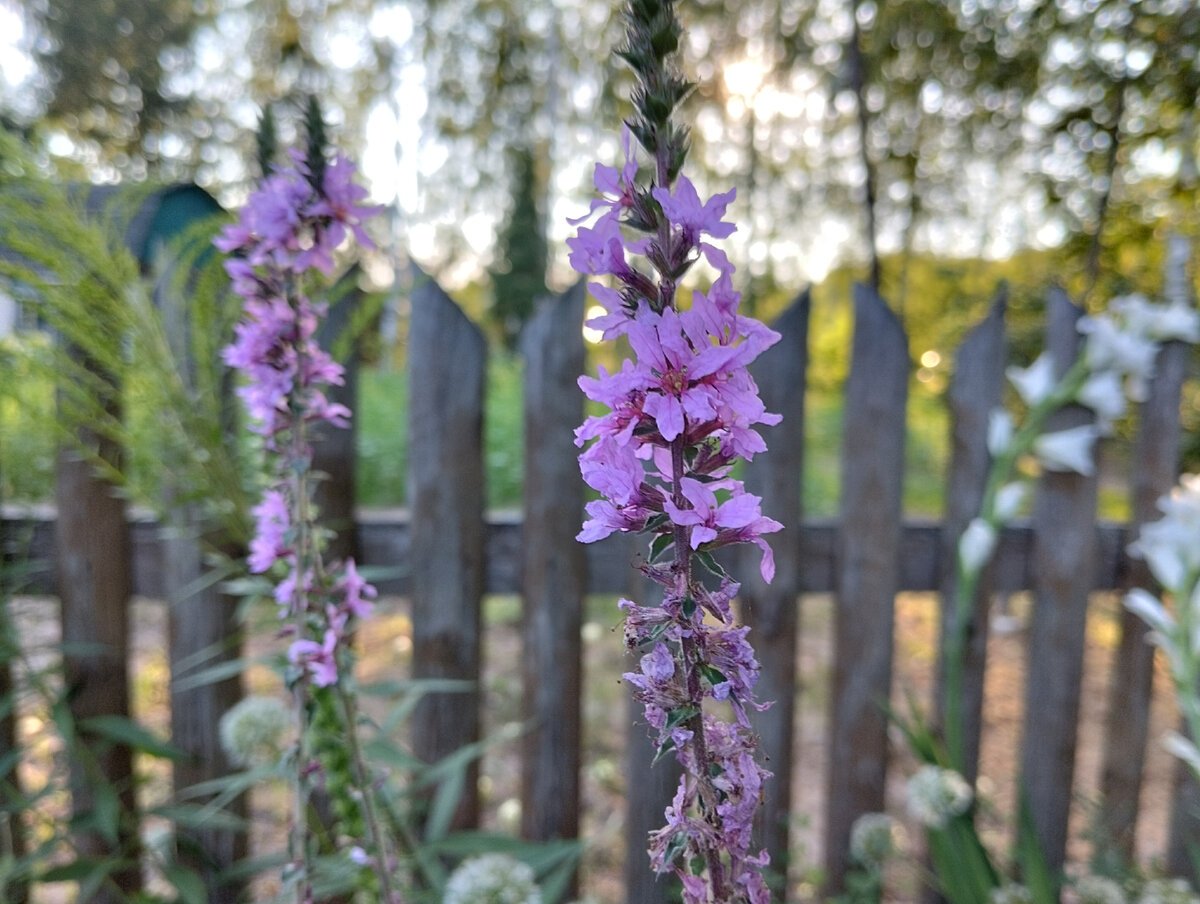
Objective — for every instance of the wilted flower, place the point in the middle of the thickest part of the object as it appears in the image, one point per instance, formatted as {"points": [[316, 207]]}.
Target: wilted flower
{"points": [[252, 732], [874, 839], [1099, 890], [937, 795], [492, 879]]}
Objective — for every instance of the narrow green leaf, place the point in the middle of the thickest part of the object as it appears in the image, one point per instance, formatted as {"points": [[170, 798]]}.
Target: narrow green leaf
{"points": [[125, 731]]}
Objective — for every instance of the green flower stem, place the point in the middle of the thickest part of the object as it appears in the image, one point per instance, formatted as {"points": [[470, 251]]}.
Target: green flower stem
{"points": [[709, 797], [967, 580], [298, 462], [374, 826]]}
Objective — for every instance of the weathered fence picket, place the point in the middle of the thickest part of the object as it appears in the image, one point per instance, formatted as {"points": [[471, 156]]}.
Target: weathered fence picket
{"points": [[202, 626], [447, 361], [95, 585], [553, 576], [868, 563], [449, 555], [1155, 466], [1064, 548], [334, 448], [771, 610], [975, 391]]}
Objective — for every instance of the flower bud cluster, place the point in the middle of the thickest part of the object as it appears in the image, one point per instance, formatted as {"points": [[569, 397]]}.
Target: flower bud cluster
{"points": [[1167, 891], [1171, 548], [680, 413], [492, 879], [1099, 890], [875, 838], [937, 795]]}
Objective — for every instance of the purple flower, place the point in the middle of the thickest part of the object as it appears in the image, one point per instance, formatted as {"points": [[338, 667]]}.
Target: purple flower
{"points": [[318, 659], [685, 210], [272, 520]]}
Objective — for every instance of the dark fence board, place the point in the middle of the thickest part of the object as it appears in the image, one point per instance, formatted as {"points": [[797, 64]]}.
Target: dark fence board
{"points": [[93, 570], [447, 366], [202, 625], [334, 448], [975, 391], [385, 538], [770, 609], [868, 567], [1183, 846], [1155, 466], [1064, 548], [553, 576]]}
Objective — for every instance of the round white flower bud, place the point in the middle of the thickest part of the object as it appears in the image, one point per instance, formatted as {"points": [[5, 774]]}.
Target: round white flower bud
{"points": [[252, 732], [492, 879], [937, 795], [874, 839]]}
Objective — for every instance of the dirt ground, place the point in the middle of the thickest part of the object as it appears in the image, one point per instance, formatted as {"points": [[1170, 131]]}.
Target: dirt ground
{"points": [[386, 646]]}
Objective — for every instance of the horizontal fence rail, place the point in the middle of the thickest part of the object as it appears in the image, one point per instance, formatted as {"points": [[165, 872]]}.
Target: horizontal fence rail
{"points": [[383, 537]]}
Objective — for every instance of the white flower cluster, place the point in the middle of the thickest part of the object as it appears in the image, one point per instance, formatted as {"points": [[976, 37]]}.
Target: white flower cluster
{"points": [[492, 879], [874, 839], [253, 731], [1171, 548], [1011, 893], [1118, 361], [1119, 353], [1167, 891], [1099, 890], [937, 795]]}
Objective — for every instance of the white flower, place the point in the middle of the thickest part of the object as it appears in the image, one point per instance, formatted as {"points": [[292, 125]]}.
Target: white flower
{"points": [[1034, 383], [492, 879], [1103, 393], [1171, 545], [976, 545], [874, 839], [1011, 893], [1150, 609], [1000, 432], [1167, 891], [1067, 450], [1009, 499], [1179, 746], [252, 732], [1125, 348], [1099, 890], [1161, 322], [937, 795]]}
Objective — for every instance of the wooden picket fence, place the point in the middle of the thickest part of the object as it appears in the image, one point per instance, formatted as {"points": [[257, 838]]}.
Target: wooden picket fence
{"points": [[451, 552]]}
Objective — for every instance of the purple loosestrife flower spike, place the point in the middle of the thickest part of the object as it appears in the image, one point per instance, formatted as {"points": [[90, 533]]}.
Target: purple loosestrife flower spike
{"points": [[292, 226], [680, 414]]}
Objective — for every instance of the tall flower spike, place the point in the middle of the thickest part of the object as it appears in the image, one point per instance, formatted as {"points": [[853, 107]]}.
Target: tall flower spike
{"points": [[680, 414], [292, 225]]}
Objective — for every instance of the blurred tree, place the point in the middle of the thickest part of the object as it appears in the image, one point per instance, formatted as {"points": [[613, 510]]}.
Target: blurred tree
{"points": [[174, 88], [519, 277]]}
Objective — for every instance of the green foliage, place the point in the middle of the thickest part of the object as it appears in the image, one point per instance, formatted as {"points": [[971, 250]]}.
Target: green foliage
{"points": [[520, 278]]}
